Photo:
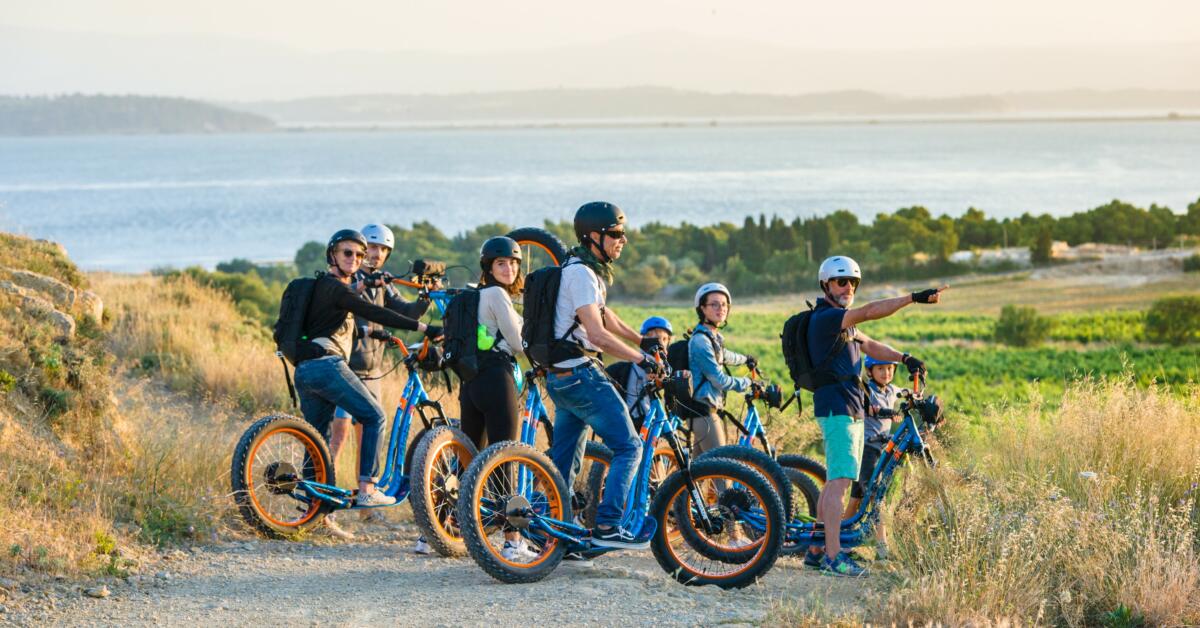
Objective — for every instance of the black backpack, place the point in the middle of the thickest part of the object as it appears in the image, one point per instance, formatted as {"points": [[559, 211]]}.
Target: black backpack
{"points": [[805, 374], [461, 324], [288, 333], [293, 310], [684, 405], [537, 328]]}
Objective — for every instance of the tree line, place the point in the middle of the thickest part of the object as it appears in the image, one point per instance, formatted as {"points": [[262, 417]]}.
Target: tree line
{"points": [[761, 255]]}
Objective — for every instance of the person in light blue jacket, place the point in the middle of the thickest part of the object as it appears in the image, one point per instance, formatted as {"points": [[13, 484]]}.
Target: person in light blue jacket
{"points": [[708, 360]]}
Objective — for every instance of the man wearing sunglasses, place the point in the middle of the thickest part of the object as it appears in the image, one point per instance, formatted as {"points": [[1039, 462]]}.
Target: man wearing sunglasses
{"points": [[836, 346], [582, 393], [324, 380]]}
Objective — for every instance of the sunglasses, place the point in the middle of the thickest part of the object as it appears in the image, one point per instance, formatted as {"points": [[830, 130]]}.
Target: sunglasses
{"points": [[617, 234], [842, 282], [351, 253]]}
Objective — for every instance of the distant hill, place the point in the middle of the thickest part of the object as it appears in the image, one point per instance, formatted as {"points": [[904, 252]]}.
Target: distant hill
{"points": [[662, 103], [78, 114]]}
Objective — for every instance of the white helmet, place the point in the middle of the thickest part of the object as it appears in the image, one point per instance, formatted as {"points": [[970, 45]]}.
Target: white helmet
{"points": [[712, 287], [376, 233], [838, 266]]}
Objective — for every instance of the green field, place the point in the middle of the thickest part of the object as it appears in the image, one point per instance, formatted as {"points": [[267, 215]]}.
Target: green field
{"points": [[970, 370]]}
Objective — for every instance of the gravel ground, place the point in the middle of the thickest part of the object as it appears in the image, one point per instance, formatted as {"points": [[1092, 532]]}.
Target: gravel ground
{"points": [[377, 580]]}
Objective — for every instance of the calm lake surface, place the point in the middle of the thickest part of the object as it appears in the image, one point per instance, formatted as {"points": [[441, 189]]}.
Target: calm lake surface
{"points": [[138, 202]]}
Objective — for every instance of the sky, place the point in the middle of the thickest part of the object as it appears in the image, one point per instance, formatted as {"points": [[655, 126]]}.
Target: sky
{"points": [[472, 26]]}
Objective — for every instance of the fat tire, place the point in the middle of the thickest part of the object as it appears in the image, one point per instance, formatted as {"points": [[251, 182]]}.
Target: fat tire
{"points": [[595, 480], [472, 527], [421, 497], [758, 564], [811, 467], [258, 431], [763, 463], [548, 241]]}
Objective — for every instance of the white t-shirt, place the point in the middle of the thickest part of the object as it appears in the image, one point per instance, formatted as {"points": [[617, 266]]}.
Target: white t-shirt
{"points": [[579, 286]]}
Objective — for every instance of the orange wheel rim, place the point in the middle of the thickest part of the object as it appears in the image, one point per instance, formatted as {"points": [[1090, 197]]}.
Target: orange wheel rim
{"points": [[496, 487], [685, 559], [441, 505], [319, 475]]}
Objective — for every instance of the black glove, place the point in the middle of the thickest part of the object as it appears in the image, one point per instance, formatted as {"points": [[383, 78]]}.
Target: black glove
{"points": [[924, 296], [379, 278], [914, 365], [752, 363], [433, 331], [650, 365], [380, 334]]}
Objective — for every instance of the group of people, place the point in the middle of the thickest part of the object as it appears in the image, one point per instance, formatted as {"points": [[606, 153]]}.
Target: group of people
{"points": [[338, 379]]}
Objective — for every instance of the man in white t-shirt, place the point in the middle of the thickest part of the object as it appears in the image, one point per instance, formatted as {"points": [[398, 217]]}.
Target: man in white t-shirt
{"points": [[582, 393]]}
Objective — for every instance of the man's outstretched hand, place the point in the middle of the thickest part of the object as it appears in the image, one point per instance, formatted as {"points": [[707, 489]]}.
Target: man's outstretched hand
{"points": [[931, 295]]}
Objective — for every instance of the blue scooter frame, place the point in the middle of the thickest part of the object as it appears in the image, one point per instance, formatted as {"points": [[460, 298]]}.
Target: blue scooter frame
{"points": [[855, 530]]}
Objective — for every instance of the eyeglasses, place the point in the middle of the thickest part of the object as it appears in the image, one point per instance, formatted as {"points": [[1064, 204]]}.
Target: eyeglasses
{"points": [[617, 234], [351, 253], [842, 282]]}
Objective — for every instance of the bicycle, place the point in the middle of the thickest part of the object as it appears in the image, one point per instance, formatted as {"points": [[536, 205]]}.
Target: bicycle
{"points": [[512, 486]]}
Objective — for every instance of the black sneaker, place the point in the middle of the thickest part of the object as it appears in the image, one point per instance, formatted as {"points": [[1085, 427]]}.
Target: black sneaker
{"points": [[618, 537], [812, 559]]}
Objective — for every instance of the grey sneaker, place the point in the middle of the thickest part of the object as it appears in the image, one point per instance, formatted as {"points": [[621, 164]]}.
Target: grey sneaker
{"points": [[333, 529], [422, 546], [374, 498]]}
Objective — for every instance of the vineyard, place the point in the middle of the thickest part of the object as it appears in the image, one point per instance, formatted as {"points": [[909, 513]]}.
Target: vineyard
{"points": [[970, 370]]}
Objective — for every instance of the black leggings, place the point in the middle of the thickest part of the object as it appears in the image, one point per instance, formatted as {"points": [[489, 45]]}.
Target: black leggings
{"points": [[490, 401]]}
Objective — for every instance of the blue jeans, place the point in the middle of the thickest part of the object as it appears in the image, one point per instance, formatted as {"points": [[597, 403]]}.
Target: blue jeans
{"points": [[586, 398], [327, 383]]}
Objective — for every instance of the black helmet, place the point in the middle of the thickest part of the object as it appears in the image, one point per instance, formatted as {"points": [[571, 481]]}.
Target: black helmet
{"points": [[596, 216], [343, 235], [499, 246]]}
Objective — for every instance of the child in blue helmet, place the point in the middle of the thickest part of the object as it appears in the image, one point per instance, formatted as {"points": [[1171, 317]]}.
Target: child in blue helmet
{"points": [[881, 400], [630, 378]]}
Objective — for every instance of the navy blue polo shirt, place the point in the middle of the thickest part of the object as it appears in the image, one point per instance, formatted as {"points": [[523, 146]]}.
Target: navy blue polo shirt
{"points": [[843, 397]]}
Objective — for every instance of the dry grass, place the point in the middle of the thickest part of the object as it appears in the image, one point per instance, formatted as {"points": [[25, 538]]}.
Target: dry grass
{"points": [[1022, 536], [192, 337]]}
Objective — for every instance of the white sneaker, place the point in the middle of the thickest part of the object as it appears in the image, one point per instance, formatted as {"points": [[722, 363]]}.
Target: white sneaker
{"points": [[333, 529], [422, 547], [518, 551], [374, 498]]}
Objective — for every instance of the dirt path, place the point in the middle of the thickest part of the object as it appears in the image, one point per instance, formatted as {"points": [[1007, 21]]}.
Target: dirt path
{"points": [[377, 580]]}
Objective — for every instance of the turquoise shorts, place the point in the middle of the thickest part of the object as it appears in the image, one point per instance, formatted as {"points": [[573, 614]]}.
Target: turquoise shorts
{"points": [[843, 445]]}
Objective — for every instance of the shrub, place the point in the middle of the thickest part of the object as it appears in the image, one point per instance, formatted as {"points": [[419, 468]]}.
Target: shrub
{"points": [[1174, 320], [1021, 326], [1191, 264]]}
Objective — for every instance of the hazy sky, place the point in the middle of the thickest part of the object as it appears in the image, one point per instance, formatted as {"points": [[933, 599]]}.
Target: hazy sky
{"points": [[473, 26]]}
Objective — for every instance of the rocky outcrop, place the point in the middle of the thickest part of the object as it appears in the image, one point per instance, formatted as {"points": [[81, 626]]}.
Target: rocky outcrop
{"points": [[63, 296], [32, 303]]}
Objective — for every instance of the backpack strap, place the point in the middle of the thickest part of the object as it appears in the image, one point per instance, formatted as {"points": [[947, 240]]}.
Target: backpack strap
{"points": [[287, 376]]}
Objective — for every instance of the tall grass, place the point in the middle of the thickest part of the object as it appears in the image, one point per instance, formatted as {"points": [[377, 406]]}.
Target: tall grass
{"points": [[192, 337], [1026, 533]]}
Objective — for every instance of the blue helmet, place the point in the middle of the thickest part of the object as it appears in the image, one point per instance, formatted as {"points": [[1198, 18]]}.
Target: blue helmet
{"points": [[873, 362], [656, 322]]}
